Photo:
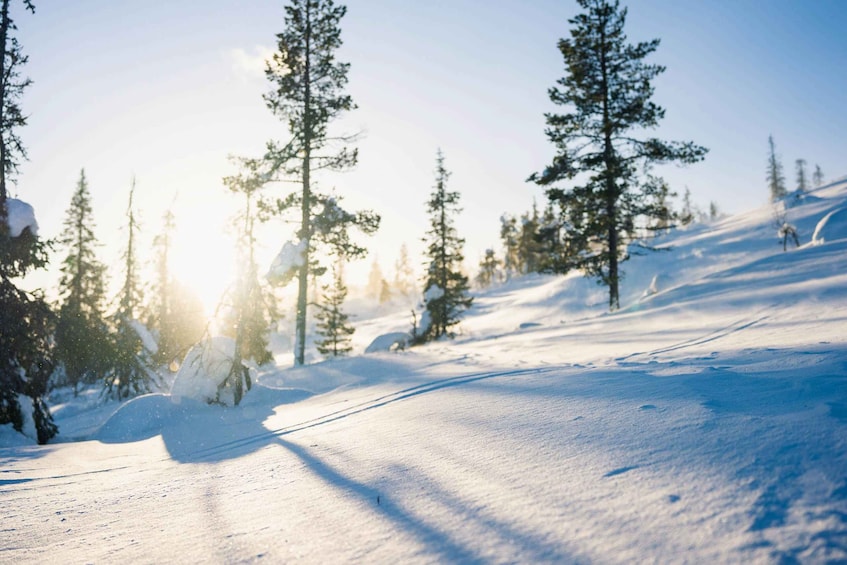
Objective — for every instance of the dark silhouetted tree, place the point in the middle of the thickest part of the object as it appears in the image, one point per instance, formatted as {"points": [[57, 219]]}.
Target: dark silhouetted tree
{"points": [[26, 322], [802, 179], [817, 176], [445, 287], [607, 92], [332, 321], [132, 364], [82, 333], [776, 180]]}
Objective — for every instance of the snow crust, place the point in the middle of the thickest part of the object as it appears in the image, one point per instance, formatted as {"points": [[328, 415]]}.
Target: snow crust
{"points": [[704, 422]]}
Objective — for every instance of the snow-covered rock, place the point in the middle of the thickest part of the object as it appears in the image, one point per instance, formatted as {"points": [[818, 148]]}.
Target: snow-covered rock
{"points": [[21, 217]]}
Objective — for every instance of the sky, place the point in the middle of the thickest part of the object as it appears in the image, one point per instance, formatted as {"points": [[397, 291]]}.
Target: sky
{"points": [[165, 92]]}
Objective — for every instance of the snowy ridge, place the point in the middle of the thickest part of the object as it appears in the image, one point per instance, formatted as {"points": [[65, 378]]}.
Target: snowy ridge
{"points": [[706, 422]]}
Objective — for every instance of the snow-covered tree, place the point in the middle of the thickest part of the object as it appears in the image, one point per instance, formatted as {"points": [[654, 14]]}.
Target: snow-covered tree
{"points": [[775, 178], [26, 352], [332, 320], [308, 93], [82, 333], [445, 286], [132, 370], [606, 92]]}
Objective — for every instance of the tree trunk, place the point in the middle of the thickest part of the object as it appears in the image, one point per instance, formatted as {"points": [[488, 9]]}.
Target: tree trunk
{"points": [[305, 229], [4, 30]]}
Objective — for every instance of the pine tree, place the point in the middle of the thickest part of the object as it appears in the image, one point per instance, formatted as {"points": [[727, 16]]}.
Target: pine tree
{"points": [[802, 182], [776, 181], [254, 307], [132, 370], [332, 321], [489, 268], [817, 176], [607, 91], [162, 320], [404, 276], [26, 322], [375, 280], [308, 93], [446, 287], [82, 334], [510, 238], [528, 247]]}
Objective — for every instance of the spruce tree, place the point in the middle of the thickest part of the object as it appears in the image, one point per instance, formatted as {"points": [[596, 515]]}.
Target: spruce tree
{"points": [[254, 307], [489, 268], [528, 246], [162, 320], [817, 176], [332, 321], [607, 92], [404, 276], [375, 280], [776, 180], [445, 287], [308, 93], [132, 364], [802, 181], [510, 238], [82, 333], [26, 322]]}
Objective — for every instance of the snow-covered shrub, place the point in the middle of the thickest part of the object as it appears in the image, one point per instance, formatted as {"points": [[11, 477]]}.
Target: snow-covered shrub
{"points": [[211, 373]]}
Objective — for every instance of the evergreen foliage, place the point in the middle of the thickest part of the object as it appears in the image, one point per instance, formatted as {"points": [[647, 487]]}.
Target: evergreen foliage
{"points": [[776, 180], [332, 321], [404, 276], [132, 364], [445, 286], [489, 269], [82, 333], [509, 237], [817, 176], [607, 92], [254, 307], [26, 322], [802, 179], [308, 94]]}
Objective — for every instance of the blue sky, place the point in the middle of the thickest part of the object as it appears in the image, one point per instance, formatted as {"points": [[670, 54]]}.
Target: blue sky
{"points": [[166, 91]]}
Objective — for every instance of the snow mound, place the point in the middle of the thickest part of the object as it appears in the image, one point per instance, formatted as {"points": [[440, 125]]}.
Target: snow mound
{"points": [[138, 419], [21, 217], [388, 342], [831, 227]]}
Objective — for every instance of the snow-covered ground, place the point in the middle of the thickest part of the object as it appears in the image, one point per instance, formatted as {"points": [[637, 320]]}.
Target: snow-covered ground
{"points": [[705, 422]]}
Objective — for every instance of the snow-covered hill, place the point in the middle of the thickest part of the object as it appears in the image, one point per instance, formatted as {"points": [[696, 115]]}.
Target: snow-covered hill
{"points": [[704, 422]]}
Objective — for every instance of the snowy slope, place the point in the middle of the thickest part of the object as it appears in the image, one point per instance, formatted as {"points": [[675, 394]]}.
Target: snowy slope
{"points": [[704, 422]]}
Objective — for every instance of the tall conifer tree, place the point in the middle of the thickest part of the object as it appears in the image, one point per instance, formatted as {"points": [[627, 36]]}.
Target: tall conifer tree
{"points": [[81, 332], [26, 353], [332, 320], [132, 371], [802, 178], [308, 93], [817, 176], [445, 287], [606, 92], [776, 180]]}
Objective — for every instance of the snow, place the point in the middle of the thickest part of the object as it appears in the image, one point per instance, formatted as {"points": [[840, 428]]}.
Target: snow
{"points": [[704, 422], [205, 366], [21, 216], [285, 264], [388, 342]]}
